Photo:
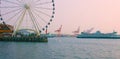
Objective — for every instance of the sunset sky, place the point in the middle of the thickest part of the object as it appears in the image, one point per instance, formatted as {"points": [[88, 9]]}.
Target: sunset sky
{"points": [[103, 15]]}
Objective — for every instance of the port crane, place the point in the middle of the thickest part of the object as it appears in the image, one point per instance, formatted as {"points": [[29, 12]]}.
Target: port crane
{"points": [[77, 31], [89, 30], [58, 31]]}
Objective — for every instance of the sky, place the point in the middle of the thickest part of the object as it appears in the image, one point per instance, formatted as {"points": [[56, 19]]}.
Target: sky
{"points": [[103, 15]]}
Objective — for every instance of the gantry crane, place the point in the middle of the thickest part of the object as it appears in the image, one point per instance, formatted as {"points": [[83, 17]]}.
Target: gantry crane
{"points": [[77, 31], [58, 31]]}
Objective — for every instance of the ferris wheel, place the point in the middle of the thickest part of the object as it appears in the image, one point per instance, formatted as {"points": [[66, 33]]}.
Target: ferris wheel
{"points": [[28, 14]]}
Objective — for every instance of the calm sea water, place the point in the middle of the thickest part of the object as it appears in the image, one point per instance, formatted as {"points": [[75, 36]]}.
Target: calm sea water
{"points": [[62, 48]]}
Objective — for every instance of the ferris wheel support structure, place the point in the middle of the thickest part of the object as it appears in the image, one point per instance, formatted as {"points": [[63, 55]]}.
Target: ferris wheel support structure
{"points": [[34, 23], [17, 26]]}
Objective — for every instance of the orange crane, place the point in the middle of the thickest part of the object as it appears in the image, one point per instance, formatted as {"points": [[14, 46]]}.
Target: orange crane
{"points": [[58, 31], [77, 31]]}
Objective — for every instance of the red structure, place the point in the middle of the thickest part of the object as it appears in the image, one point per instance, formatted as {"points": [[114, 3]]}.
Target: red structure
{"points": [[58, 31], [46, 31]]}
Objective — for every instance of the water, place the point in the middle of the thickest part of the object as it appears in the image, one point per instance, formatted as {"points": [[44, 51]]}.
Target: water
{"points": [[62, 48]]}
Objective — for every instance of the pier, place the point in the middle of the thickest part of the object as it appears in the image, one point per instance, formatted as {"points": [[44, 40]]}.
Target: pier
{"points": [[24, 39]]}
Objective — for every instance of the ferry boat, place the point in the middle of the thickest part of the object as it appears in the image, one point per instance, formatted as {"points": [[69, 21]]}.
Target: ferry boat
{"points": [[98, 34]]}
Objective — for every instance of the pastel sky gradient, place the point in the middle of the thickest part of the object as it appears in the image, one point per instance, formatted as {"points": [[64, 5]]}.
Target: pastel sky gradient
{"points": [[103, 15]]}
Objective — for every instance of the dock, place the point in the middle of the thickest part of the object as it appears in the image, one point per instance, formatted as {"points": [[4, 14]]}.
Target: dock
{"points": [[24, 39]]}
